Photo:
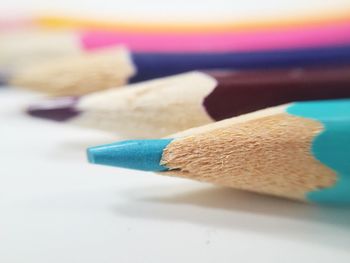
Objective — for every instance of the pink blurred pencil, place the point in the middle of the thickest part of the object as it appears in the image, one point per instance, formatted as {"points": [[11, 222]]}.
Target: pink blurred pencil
{"points": [[258, 40]]}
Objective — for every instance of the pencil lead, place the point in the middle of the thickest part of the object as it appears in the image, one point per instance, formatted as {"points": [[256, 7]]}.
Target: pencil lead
{"points": [[61, 109], [142, 155]]}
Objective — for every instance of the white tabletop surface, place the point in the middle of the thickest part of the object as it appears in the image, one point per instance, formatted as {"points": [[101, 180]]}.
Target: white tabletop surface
{"points": [[55, 207]]}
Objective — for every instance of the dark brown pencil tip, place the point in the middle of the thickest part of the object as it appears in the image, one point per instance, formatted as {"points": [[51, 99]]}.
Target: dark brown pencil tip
{"points": [[61, 109]]}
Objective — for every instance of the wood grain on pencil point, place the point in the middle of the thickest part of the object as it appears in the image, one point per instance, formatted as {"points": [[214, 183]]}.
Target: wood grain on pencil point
{"points": [[142, 110], [298, 151], [163, 106], [78, 74], [259, 155]]}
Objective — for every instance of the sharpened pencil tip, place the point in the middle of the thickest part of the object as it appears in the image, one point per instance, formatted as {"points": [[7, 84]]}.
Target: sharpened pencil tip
{"points": [[61, 109], [142, 155]]}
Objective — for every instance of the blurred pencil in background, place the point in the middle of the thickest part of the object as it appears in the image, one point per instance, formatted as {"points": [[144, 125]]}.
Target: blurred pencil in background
{"points": [[163, 106], [73, 75], [52, 20], [46, 60], [235, 41], [282, 20], [20, 48]]}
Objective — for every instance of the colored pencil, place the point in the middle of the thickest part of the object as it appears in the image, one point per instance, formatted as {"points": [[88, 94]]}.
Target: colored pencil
{"points": [[298, 151], [275, 22], [77, 74], [155, 65], [268, 39], [164, 106], [285, 21], [23, 48]]}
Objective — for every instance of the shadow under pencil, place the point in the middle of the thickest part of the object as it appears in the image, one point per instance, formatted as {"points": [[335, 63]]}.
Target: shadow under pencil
{"points": [[229, 209]]}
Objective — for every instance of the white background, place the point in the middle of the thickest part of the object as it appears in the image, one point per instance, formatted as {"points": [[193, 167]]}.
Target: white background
{"points": [[54, 207]]}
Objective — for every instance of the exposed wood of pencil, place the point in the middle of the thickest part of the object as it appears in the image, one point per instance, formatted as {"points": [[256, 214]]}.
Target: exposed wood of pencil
{"points": [[267, 151], [22, 48], [79, 74], [150, 109]]}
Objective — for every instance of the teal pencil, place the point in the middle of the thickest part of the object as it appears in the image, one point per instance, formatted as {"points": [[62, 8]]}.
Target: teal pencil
{"points": [[299, 151]]}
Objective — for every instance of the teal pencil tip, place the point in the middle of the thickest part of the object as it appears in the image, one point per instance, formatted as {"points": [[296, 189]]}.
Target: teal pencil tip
{"points": [[90, 155], [142, 155]]}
